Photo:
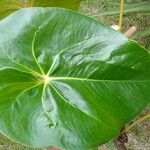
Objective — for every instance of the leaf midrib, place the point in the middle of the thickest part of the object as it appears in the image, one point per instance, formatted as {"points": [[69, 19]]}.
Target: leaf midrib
{"points": [[94, 80]]}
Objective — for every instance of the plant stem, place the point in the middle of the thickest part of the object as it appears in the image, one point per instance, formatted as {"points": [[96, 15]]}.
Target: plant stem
{"points": [[121, 14], [130, 32], [136, 122]]}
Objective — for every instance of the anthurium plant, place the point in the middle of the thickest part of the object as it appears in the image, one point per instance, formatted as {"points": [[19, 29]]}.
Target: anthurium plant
{"points": [[67, 80]]}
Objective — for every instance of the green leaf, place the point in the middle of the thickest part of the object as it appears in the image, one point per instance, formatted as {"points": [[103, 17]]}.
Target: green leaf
{"points": [[67, 80], [9, 6], [142, 7]]}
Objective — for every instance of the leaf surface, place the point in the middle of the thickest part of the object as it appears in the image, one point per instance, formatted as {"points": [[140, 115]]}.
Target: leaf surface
{"points": [[67, 80]]}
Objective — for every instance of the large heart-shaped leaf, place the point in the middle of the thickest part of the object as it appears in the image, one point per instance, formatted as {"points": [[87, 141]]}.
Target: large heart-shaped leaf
{"points": [[9, 6], [67, 80]]}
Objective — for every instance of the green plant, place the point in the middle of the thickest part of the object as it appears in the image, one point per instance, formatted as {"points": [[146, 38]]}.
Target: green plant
{"points": [[134, 14], [67, 80], [141, 8], [9, 6]]}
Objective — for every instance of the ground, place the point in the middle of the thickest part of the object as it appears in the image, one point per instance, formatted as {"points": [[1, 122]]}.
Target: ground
{"points": [[139, 137]]}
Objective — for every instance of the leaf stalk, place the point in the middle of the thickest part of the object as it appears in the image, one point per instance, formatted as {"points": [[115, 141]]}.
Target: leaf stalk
{"points": [[128, 128], [121, 14]]}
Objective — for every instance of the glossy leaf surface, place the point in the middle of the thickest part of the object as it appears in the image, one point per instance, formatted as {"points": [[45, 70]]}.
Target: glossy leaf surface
{"points": [[67, 80], [9, 6]]}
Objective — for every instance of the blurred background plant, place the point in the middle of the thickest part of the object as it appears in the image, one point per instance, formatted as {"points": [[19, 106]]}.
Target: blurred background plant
{"points": [[136, 13], [9, 6]]}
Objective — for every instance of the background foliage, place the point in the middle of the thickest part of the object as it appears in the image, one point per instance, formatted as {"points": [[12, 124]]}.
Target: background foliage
{"points": [[9, 6], [136, 12]]}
